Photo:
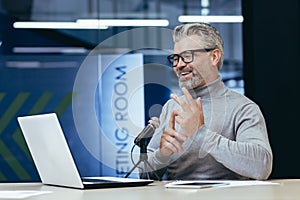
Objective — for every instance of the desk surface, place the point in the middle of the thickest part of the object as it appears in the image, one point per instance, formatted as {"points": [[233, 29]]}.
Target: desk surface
{"points": [[287, 189]]}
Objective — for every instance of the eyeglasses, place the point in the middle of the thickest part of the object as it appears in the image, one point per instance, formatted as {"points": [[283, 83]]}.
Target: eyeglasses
{"points": [[186, 56]]}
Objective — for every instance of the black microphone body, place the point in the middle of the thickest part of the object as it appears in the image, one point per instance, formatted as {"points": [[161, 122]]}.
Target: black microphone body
{"points": [[147, 133]]}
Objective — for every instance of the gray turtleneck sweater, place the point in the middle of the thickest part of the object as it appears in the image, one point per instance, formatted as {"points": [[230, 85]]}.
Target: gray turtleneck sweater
{"points": [[232, 144]]}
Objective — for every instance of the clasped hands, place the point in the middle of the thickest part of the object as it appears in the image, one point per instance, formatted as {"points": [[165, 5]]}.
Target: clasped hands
{"points": [[189, 117]]}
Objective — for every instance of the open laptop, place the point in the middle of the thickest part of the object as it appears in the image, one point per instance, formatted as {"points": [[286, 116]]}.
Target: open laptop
{"points": [[53, 159]]}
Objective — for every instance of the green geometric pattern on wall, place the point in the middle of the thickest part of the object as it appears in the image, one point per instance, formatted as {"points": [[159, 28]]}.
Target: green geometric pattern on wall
{"points": [[11, 138]]}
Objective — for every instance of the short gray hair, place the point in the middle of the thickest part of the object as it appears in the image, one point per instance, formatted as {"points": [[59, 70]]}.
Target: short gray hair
{"points": [[209, 35]]}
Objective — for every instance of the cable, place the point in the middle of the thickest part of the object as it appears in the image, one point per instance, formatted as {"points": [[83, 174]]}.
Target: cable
{"points": [[131, 157]]}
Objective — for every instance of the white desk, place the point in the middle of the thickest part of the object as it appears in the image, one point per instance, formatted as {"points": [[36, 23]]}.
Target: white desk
{"points": [[288, 189]]}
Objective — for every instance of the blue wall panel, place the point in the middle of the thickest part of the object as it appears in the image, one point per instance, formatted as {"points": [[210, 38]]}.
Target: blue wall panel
{"points": [[34, 90]]}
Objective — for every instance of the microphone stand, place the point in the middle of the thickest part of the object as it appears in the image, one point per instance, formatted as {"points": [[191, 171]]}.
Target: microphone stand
{"points": [[143, 143]]}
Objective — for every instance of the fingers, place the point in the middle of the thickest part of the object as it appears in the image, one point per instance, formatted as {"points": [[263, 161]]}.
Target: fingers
{"points": [[182, 103], [177, 117], [173, 145], [171, 142], [171, 132], [186, 105], [199, 103], [190, 117], [201, 120], [188, 96], [172, 121]]}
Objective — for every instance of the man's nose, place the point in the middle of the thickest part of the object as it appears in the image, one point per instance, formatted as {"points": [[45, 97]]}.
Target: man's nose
{"points": [[180, 64]]}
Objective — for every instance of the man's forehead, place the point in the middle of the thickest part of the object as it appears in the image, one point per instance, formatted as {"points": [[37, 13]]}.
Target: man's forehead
{"points": [[187, 43]]}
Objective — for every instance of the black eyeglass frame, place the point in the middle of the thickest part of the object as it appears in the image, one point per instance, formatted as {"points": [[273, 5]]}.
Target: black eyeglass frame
{"points": [[171, 57]]}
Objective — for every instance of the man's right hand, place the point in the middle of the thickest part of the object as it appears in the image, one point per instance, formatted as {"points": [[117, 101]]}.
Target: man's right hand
{"points": [[171, 141]]}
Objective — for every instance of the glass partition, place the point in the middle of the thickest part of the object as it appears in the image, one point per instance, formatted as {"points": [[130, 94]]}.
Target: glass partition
{"points": [[43, 45]]}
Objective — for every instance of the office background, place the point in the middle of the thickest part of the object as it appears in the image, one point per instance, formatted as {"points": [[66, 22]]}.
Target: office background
{"points": [[39, 65]]}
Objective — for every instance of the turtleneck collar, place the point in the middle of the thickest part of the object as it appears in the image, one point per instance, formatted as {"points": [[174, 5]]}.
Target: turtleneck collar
{"points": [[213, 89]]}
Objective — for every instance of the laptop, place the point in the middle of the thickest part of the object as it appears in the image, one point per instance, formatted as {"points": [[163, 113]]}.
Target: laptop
{"points": [[53, 159]]}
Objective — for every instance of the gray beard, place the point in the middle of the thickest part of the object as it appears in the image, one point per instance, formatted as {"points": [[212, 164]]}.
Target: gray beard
{"points": [[190, 84]]}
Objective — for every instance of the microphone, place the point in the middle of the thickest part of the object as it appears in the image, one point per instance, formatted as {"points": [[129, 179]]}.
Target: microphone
{"points": [[147, 132]]}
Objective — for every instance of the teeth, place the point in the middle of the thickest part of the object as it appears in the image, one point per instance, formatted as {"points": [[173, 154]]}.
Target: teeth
{"points": [[184, 73]]}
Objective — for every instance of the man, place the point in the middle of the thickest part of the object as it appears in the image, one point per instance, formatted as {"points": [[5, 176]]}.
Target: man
{"points": [[211, 132]]}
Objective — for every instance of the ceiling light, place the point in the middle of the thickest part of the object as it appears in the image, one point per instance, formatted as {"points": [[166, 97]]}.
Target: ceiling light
{"points": [[49, 50], [125, 22], [91, 23], [57, 25], [211, 18]]}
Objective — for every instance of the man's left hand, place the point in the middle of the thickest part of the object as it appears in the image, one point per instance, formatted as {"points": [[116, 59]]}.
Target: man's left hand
{"points": [[190, 117]]}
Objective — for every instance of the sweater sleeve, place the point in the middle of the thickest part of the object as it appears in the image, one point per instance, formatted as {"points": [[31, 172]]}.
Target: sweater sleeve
{"points": [[249, 154]]}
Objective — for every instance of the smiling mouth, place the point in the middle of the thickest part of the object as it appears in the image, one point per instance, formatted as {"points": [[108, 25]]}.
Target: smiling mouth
{"points": [[184, 74]]}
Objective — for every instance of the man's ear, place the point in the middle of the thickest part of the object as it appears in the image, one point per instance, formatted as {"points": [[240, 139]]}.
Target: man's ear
{"points": [[215, 56]]}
